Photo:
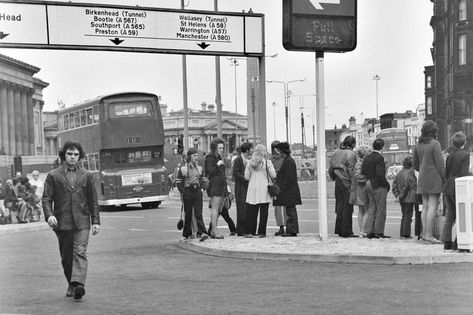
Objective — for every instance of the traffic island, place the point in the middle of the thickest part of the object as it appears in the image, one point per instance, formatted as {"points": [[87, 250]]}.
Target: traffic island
{"points": [[308, 247]]}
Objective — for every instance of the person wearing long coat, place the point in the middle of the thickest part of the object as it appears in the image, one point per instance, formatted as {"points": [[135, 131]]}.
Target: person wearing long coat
{"points": [[259, 171], [428, 161], [241, 188], [290, 195]]}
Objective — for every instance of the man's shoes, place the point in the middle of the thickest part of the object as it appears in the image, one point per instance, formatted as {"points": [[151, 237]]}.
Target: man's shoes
{"points": [[289, 235], [351, 235], [248, 236], [383, 236], [79, 292], [203, 237], [280, 232], [240, 234], [371, 235], [261, 235], [232, 233], [70, 291]]}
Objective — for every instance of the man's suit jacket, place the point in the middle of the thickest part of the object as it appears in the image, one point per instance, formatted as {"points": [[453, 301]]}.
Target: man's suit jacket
{"points": [[59, 196], [375, 170], [458, 165]]}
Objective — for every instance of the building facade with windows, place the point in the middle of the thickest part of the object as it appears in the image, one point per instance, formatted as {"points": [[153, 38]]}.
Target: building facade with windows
{"points": [[202, 126], [449, 82], [21, 108]]}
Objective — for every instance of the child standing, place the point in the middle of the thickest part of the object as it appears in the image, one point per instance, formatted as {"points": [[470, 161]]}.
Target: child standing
{"points": [[404, 189], [457, 165]]}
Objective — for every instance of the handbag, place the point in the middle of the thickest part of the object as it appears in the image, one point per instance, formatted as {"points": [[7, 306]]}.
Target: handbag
{"points": [[180, 223], [273, 188]]}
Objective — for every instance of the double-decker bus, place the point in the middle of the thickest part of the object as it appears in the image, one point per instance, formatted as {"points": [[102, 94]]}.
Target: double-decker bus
{"points": [[123, 137], [396, 145]]}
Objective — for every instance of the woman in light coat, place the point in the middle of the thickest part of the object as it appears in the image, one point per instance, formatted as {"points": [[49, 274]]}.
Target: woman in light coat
{"points": [[429, 162], [258, 172], [358, 193]]}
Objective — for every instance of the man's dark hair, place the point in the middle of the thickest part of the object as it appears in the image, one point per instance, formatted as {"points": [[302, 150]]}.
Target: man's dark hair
{"points": [[245, 147], [284, 147], [214, 144], [71, 145], [378, 144], [407, 163], [190, 152], [349, 142], [24, 179]]}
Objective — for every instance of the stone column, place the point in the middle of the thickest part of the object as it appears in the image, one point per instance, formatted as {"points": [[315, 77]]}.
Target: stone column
{"points": [[4, 117], [18, 121], [11, 121], [31, 123], [26, 122], [52, 150]]}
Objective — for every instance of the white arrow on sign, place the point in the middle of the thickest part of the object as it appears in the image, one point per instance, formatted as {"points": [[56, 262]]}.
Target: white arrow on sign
{"points": [[317, 3]]}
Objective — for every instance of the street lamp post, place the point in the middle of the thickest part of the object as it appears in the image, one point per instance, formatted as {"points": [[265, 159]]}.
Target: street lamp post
{"points": [[286, 100], [274, 120], [301, 107], [234, 63], [377, 77]]}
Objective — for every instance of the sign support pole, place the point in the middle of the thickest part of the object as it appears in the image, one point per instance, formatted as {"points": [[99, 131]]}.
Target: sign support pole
{"points": [[321, 155], [185, 98]]}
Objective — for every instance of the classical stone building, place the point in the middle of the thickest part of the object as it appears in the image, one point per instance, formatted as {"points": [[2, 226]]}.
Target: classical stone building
{"points": [[449, 82], [21, 106], [203, 127]]}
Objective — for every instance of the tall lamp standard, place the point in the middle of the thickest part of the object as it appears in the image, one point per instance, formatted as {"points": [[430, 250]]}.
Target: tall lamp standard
{"points": [[377, 77], [301, 107], [234, 63], [274, 120], [286, 100]]}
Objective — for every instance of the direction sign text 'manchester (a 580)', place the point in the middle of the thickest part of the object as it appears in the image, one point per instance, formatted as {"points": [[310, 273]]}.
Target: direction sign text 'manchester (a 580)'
{"points": [[81, 26], [319, 25]]}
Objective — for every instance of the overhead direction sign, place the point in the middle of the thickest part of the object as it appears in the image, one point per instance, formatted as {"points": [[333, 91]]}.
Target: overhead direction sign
{"points": [[56, 25], [319, 25]]}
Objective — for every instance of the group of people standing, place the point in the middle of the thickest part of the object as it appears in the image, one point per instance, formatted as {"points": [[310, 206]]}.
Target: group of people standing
{"points": [[360, 179], [252, 172]]}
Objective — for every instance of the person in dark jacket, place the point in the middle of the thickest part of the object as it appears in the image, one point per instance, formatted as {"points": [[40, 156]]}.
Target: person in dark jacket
{"points": [[404, 189], [290, 195], [215, 170], [241, 187], [342, 165], [279, 211], [71, 208], [457, 165], [377, 186]]}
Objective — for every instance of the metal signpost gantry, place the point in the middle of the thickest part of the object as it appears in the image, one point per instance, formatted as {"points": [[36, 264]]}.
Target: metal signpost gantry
{"points": [[320, 26]]}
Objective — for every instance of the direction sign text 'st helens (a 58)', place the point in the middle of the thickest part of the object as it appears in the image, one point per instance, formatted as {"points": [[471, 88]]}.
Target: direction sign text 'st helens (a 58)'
{"points": [[98, 27], [319, 25]]}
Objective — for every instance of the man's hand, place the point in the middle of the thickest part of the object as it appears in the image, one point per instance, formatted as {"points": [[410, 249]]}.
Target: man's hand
{"points": [[220, 162], [95, 229], [52, 221]]}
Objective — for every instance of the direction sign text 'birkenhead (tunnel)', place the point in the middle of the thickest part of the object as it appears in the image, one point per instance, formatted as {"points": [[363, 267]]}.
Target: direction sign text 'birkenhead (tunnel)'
{"points": [[99, 27], [319, 25]]}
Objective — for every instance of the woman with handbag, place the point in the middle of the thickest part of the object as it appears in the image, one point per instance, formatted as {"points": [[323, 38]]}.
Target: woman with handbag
{"points": [[259, 172], [289, 195]]}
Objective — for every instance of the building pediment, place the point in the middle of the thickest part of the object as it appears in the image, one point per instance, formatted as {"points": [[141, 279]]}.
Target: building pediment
{"points": [[226, 124]]}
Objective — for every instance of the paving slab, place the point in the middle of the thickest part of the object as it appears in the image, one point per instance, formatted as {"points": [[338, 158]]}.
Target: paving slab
{"points": [[308, 247]]}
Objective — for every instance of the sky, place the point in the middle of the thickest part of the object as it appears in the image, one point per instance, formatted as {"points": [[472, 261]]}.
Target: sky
{"points": [[393, 40]]}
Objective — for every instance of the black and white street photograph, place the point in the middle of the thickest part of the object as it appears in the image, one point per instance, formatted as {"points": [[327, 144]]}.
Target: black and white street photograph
{"points": [[236, 157]]}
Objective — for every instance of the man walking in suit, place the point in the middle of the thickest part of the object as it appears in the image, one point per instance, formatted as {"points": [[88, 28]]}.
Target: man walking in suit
{"points": [[377, 186], [71, 209]]}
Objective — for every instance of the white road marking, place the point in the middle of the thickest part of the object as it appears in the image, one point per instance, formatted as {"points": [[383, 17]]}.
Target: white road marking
{"points": [[139, 230]]}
